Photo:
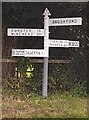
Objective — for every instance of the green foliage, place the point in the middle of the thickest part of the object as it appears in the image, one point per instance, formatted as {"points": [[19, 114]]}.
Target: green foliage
{"points": [[22, 65], [79, 89], [60, 80], [63, 80]]}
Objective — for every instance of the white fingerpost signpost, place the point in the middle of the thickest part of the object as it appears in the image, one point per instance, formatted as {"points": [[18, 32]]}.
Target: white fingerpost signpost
{"points": [[47, 42]]}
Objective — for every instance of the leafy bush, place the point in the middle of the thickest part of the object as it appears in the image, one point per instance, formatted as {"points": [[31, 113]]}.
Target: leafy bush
{"points": [[61, 79]]}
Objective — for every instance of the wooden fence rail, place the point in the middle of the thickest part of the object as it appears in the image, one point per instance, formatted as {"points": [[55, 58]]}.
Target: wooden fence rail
{"points": [[37, 61]]}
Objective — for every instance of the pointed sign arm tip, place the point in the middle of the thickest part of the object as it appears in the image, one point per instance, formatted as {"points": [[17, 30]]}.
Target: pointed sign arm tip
{"points": [[46, 12]]}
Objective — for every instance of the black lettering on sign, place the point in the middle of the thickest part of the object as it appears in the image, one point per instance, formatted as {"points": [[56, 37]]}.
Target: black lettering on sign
{"points": [[29, 30], [11, 30], [69, 21], [63, 21], [17, 34], [53, 21], [75, 21], [60, 21], [66, 21], [26, 30], [72, 21], [12, 34]]}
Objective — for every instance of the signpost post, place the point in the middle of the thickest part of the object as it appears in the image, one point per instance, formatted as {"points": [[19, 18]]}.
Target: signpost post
{"points": [[47, 42], [46, 47]]}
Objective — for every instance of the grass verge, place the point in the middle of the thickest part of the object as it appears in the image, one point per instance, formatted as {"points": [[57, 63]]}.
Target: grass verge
{"points": [[54, 106]]}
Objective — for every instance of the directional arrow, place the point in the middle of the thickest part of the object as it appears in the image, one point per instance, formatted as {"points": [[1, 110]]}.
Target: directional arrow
{"points": [[46, 12]]}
